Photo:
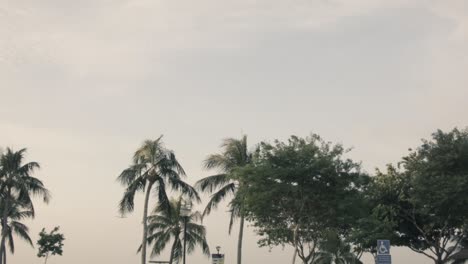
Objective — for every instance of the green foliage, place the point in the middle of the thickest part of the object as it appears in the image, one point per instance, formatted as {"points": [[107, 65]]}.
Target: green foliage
{"points": [[50, 244], [438, 194], [235, 155], [17, 189], [157, 167], [438, 170], [15, 213], [297, 191], [16, 180], [425, 202], [382, 201], [166, 225], [334, 250]]}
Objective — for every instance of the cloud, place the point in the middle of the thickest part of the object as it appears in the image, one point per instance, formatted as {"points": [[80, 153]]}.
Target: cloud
{"points": [[95, 37], [105, 74]]}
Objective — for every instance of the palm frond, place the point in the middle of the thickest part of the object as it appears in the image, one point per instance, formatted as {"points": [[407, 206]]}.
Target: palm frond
{"points": [[11, 243], [219, 196], [163, 199], [173, 163], [217, 161], [184, 188], [127, 203], [149, 150], [28, 168], [178, 251], [22, 231], [158, 239], [211, 183], [130, 174], [173, 223], [30, 186]]}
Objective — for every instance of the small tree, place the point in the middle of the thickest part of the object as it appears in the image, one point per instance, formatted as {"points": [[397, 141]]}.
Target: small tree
{"points": [[50, 243]]}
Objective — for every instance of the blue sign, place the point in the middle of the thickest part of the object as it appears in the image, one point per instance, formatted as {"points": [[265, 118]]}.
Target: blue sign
{"points": [[383, 252], [383, 247], [384, 259]]}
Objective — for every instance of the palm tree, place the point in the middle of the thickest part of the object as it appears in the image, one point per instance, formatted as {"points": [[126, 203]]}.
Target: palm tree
{"points": [[333, 250], [17, 186], [154, 168], [15, 213], [235, 154], [166, 225]]}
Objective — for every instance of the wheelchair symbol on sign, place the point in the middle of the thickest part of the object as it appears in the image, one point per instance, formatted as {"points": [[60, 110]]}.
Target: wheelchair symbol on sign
{"points": [[382, 248]]}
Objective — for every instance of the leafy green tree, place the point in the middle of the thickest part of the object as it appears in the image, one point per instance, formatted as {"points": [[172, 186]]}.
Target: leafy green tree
{"points": [[235, 155], [16, 212], [460, 249], [166, 225], [50, 244], [380, 221], [334, 250], [430, 208], [17, 186], [155, 169], [300, 190]]}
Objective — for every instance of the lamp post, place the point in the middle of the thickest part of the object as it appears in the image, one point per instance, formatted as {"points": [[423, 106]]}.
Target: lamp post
{"points": [[218, 258], [185, 210]]}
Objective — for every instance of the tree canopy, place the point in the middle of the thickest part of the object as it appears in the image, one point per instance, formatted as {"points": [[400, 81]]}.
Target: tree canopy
{"points": [[424, 200], [18, 188], [165, 225], [156, 169], [298, 190], [50, 244], [436, 176]]}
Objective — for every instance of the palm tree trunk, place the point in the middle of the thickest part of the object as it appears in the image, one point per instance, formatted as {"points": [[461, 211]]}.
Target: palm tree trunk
{"points": [[4, 230], [145, 224], [2, 250], [46, 257], [172, 250], [239, 242]]}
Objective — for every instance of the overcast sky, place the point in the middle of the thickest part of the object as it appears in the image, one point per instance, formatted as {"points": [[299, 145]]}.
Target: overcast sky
{"points": [[83, 83]]}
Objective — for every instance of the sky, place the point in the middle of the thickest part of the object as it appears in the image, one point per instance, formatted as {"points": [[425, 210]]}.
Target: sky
{"points": [[83, 83]]}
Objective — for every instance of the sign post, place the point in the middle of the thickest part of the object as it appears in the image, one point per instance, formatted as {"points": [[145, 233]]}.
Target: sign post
{"points": [[217, 258], [383, 252]]}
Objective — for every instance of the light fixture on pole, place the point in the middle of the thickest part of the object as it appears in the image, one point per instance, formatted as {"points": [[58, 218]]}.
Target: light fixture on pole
{"points": [[185, 211], [217, 258]]}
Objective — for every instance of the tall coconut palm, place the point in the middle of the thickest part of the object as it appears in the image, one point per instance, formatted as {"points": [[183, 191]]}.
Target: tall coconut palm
{"points": [[235, 154], [16, 212], [154, 169], [17, 185], [166, 225]]}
